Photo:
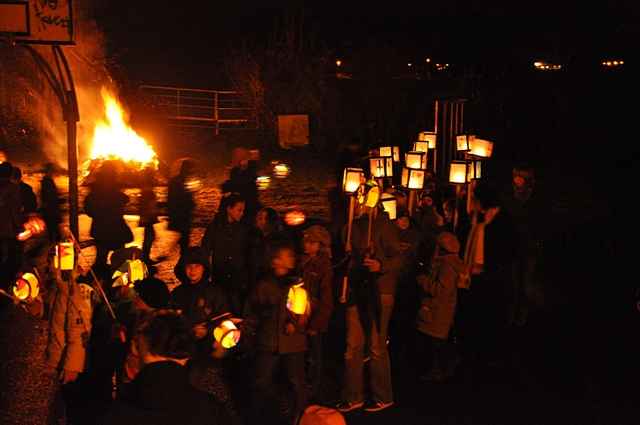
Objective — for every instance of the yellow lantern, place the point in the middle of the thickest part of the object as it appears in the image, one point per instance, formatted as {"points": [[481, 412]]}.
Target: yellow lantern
{"points": [[381, 167], [130, 271], [396, 154], [227, 334], [412, 179], [26, 287], [416, 160], [464, 142], [64, 256], [458, 172], [482, 148], [429, 137], [298, 299], [385, 151], [390, 205], [372, 197], [352, 179], [263, 182], [474, 170], [295, 218], [281, 170]]}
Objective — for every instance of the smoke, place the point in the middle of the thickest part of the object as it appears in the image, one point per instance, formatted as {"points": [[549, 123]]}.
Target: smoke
{"points": [[32, 123]]}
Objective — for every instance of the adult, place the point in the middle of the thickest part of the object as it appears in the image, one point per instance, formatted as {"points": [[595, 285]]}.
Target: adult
{"points": [[373, 276], [148, 212], [10, 224], [268, 230], [105, 205], [228, 241], [50, 203], [180, 204], [161, 393], [242, 180], [27, 196]]}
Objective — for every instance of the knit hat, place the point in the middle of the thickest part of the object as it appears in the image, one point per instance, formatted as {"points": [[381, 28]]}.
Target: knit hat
{"points": [[317, 233], [196, 255], [153, 292], [449, 242], [321, 415]]}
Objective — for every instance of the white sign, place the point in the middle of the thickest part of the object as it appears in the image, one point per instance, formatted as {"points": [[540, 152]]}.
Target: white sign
{"points": [[47, 21]]}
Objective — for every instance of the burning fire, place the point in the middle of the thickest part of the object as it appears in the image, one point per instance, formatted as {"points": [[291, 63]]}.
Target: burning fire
{"points": [[113, 138]]}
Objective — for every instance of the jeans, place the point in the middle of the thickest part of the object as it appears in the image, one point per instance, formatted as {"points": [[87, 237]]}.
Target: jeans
{"points": [[521, 291], [316, 365], [380, 365]]}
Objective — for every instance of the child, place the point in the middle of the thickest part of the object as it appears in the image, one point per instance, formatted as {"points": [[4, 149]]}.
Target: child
{"points": [[280, 337], [437, 311], [318, 279]]}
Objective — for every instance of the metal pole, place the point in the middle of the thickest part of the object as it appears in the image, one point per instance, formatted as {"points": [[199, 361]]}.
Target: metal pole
{"points": [[215, 112]]}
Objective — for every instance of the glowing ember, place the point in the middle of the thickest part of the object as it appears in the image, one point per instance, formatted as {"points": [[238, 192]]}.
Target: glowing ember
{"points": [[115, 139]]}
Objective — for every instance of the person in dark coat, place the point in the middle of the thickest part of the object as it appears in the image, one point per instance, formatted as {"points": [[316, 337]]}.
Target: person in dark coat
{"points": [[242, 180], [105, 205], [180, 204], [50, 204], [10, 225], [148, 212], [230, 244], [267, 231], [317, 274], [280, 338], [161, 393], [27, 196]]}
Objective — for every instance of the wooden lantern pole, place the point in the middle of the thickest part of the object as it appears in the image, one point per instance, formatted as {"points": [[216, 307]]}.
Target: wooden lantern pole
{"points": [[412, 201], [347, 247]]}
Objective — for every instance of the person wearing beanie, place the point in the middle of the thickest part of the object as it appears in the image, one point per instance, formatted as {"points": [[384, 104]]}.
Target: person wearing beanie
{"points": [[437, 309], [317, 274]]}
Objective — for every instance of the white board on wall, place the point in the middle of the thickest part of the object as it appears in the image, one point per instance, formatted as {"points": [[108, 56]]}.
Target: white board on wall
{"points": [[293, 130]]}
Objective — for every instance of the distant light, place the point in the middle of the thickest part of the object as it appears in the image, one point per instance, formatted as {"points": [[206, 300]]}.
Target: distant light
{"points": [[295, 218], [428, 60], [546, 66], [338, 62], [612, 63], [263, 182], [281, 170], [409, 64]]}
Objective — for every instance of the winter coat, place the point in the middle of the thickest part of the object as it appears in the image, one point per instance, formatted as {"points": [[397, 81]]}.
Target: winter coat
{"points": [[28, 198], [267, 314], [317, 274], [10, 204], [243, 181], [105, 206], [438, 307], [232, 248], [386, 246], [148, 208], [70, 326], [199, 301], [50, 201], [161, 395], [180, 204]]}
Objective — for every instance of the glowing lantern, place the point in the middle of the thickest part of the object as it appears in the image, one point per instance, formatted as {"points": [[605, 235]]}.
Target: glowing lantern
{"points": [[474, 170], [352, 179], [416, 160], [372, 197], [227, 334], [26, 287], [34, 226], [295, 218], [390, 205], [429, 137], [298, 299], [464, 142], [129, 272], [381, 167], [64, 256], [458, 172], [263, 182], [480, 147], [386, 151], [412, 179], [281, 170], [396, 154], [193, 184]]}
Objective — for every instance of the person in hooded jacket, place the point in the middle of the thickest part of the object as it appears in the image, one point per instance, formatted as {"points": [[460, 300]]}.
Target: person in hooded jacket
{"points": [[161, 393], [438, 306], [10, 225]]}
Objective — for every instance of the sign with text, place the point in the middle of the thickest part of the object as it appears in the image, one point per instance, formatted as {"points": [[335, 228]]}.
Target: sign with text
{"points": [[293, 130], [47, 21]]}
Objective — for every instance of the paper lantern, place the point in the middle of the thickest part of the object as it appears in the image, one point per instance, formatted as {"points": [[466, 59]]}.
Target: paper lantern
{"points": [[412, 179], [298, 299], [129, 272], [396, 154], [33, 227], [263, 182], [381, 167], [416, 160], [26, 287], [227, 334], [352, 179], [390, 205], [281, 170], [295, 218], [474, 170], [385, 151], [64, 256], [464, 142], [429, 137], [481, 148], [458, 172], [372, 197]]}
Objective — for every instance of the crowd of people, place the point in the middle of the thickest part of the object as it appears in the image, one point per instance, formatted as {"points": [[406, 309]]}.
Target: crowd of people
{"points": [[444, 283]]}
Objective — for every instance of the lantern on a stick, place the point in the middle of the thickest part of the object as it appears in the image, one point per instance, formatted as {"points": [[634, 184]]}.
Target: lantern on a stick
{"points": [[227, 334], [413, 180], [26, 287], [428, 137], [474, 170], [464, 142], [351, 181], [416, 160], [385, 151], [298, 299], [64, 258], [129, 272], [390, 205], [381, 167], [458, 175], [481, 148]]}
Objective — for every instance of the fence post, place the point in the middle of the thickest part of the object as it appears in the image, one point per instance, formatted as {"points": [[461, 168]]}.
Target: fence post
{"points": [[216, 117]]}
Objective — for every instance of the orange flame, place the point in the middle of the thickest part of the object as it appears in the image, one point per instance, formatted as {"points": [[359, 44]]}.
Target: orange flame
{"points": [[113, 138]]}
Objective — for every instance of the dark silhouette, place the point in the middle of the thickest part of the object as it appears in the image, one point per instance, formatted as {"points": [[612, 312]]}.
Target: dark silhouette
{"points": [[181, 204], [148, 212], [28, 198], [50, 203], [242, 180], [10, 225]]}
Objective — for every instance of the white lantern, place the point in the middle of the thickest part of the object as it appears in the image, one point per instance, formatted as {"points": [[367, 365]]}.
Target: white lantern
{"points": [[474, 170], [390, 205], [352, 179], [385, 151], [416, 160], [458, 172], [481, 148], [381, 167], [464, 142], [412, 179], [429, 137]]}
